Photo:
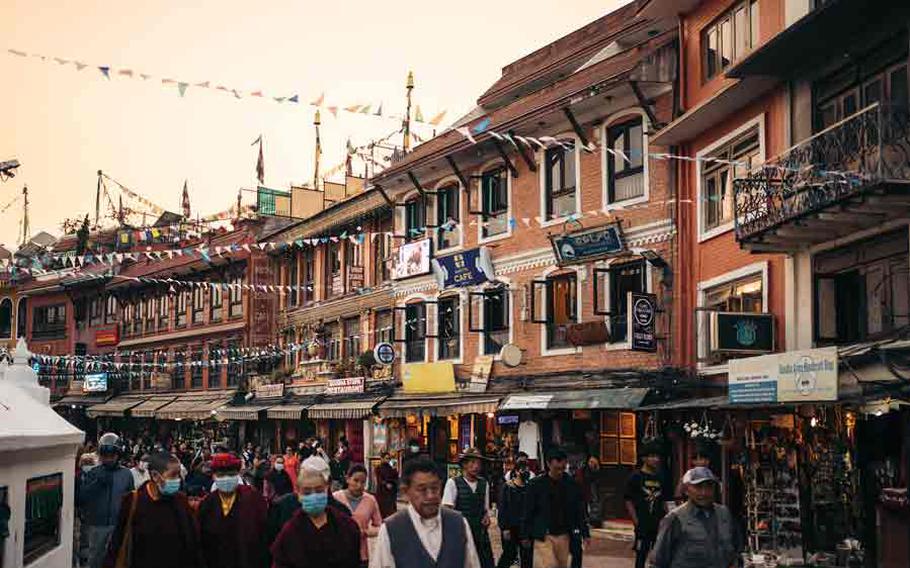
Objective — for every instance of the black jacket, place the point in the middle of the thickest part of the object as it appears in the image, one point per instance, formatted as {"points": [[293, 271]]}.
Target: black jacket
{"points": [[101, 493], [536, 522], [511, 509]]}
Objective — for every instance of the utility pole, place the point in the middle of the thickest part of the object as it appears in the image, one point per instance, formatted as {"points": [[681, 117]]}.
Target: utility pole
{"points": [[98, 199], [406, 146], [316, 123], [25, 227]]}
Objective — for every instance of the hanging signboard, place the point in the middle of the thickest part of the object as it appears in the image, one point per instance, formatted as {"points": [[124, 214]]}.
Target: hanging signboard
{"points": [[480, 374], [413, 259], [428, 377], [345, 386], [642, 317], [270, 391], [733, 332], [384, 353], [794, 376], [587, 245], [107, 335], [467, 268], [96, 382]]}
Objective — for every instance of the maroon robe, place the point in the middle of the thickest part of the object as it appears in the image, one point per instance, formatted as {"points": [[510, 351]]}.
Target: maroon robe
{"points": [[237, 540], [301, 545], [387, 489], [163, 534]]}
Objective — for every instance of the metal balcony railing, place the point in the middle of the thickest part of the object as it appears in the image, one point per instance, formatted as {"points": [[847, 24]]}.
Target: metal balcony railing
{"points": [[844, 161]]}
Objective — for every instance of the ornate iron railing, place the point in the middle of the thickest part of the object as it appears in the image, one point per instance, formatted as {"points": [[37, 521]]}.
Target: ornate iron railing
{"points": [[838, 163]]}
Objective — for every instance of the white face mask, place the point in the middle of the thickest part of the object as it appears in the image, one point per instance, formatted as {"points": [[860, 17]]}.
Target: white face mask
{"points": [[279, 466], [87, 468], [142, 466]]}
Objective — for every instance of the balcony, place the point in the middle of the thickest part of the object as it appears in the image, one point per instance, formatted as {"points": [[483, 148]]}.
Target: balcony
{"points": [[854, 175]]}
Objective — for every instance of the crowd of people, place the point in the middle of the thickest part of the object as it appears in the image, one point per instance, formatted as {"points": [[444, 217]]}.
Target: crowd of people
{"points": [[145, 506]]}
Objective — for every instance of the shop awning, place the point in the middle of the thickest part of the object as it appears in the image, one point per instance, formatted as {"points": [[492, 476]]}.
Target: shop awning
{"points": [[286, 412], [115, 407], [78, 400], [345, 409], [687, 403], [437, 405], [250, 412], [600, 399], [147, 409], [192, 408]]}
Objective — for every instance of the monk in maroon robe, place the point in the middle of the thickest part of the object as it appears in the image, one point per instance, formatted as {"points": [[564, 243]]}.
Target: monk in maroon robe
{"points": [[232, 520], [386, 486]]}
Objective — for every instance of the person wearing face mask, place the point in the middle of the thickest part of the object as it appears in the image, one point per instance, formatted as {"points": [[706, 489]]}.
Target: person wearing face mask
{"points": [[232, 519], [510, 518], [386, 485], [140, 471], [277, 481], [363, 506], [156, 526], [317, 535], [100, 495]]}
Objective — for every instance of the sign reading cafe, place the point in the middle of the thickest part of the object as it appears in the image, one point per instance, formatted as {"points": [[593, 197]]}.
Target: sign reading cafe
{"points": [[794, 376], [588, 244]]}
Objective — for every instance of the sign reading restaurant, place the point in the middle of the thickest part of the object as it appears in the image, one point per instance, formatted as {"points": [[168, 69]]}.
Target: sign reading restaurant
{"points": [[794, 376], [588, 244], [348, 385]]}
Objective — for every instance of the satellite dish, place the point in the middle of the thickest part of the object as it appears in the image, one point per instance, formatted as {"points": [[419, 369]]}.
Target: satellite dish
{"points": [[485, 264], [511, 355]]}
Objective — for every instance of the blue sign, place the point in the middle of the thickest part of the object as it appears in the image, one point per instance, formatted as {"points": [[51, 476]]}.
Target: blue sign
{"points": [[461, 269], [753, 392], [588, 245]]}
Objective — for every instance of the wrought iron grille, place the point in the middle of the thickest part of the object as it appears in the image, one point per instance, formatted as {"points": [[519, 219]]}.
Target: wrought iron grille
{"points": [[841, 162]]}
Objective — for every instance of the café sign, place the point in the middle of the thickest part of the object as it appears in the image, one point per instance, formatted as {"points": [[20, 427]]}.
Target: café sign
{"points": [[589, 244], [808, 375]]}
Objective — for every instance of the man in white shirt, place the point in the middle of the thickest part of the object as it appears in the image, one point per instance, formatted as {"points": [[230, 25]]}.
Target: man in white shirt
{"points": [[443, 537], [469, 494], [140, 471]]}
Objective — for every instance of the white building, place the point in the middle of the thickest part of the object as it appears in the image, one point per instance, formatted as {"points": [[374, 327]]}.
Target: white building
{"points": [[37, 464]]}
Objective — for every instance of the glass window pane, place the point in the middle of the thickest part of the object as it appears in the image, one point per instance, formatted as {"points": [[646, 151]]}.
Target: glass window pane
{"points": [[635, 153], [741, 32], [619, 148], [753, 23], [900, 94], [849, 104], [711, 53], [726, 43], [872, 92]]}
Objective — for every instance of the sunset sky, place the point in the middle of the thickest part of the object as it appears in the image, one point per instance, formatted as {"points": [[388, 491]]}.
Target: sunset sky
{"points": [[64, 124]]}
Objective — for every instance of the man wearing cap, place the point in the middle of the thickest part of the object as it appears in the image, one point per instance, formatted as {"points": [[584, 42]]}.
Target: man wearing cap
{"points": [[232, 519], [701, 533], [469, 494], [645, 498], [100, 495]]}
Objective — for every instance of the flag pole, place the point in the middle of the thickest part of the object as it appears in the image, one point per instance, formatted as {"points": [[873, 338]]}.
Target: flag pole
{"points": [[316, 122], [406, 146]]}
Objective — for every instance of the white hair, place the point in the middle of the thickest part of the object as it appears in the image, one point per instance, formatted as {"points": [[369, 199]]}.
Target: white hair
{"points": [[315, 465]]}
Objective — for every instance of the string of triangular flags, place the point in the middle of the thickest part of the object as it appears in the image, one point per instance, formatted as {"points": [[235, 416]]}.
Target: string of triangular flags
{"points": [[182, 86]]}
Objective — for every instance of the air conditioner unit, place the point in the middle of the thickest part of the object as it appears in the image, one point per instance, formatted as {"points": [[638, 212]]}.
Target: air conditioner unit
{"points": [[741, 333]]}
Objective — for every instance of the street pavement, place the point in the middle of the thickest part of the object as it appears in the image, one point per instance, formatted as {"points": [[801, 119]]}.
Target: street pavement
{"points": [[604, 552]]}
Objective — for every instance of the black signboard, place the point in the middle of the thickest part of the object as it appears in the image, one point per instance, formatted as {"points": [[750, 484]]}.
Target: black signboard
{"points": [[734, 332], [642, 316], [589, 244]]}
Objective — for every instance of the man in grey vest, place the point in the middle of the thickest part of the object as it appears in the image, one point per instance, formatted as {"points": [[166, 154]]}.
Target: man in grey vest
{"points": [[424, 535], [699, 534], [469, 494]]}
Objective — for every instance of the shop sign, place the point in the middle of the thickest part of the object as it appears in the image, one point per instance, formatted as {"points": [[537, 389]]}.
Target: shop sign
{"points": [[428, 377], [480, 374], [270, 391], [107, 335], [76, 388], [466, 268], [355, 277], [507, 419], [642, 314], [161, 381], [733, 332], [794, 376], [384, 353], [345, 386], [96, 382], [413, 259], [589, 244]]}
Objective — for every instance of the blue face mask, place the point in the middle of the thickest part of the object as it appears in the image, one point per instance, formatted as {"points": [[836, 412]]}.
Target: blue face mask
{"points": [[314, 503], [171, 486], [227, 484]]}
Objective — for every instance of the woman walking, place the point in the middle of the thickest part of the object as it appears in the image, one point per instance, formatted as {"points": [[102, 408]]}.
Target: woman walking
{"points": [[363, 506]]}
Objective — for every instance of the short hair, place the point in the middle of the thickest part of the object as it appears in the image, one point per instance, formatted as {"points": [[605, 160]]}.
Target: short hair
{"points": [[356, 468], [556, 454], [316, 464], [159, 461], [308, 472], [418, 465]]}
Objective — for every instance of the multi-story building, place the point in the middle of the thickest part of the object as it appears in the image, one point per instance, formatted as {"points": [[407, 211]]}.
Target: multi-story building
{"points": [[793, 233]]}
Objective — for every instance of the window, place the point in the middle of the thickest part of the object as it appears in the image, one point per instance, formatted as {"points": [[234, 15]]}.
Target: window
{"points": [[43, 505], [617, 438], [307, 284], [560, 182], [717, 178], [235, 296], [179, 370], [495, 320], [560, 297], [415, 332], [49, 322], [293, 281], [353, 260], [352, 337], [148, 362], [110, 309], [149, 313], [625, 165], [334, 285], [217, 295], [862, 290], [448, 320], [235, 364], [381, 258], [842, 95], [216, 356], [331, 339], [196, 362], [624, 278], [96, 311], [729, 38], [198, 303], [384, 327], [494, 196], [414, 219], [21, 317], [183, 298], [164, 306], [138, 315], [741, 295], [448, 217], [6, 318]]}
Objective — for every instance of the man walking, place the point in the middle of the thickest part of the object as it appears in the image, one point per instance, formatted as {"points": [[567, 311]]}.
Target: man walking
{"points": [[100, 495], [232, 520], [510, 516], [699, 534], [645, 498], [424, 535], [469, 494], [554, 514]]}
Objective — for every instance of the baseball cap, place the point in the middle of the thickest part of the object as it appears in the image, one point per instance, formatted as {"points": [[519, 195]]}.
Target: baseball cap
{"points": [[698, 475]]}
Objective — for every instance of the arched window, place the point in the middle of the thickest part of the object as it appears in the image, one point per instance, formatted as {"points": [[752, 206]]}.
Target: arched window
{"points": [[6, 318], [21, 317]]}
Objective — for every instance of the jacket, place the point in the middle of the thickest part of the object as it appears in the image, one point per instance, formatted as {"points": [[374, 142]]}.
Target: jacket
{"points": [[536, 522], [510, 512], [684, 540], [101, 493]]}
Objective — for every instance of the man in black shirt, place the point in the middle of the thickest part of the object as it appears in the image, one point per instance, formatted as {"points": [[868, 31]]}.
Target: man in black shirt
{"points": [[645, 498]]}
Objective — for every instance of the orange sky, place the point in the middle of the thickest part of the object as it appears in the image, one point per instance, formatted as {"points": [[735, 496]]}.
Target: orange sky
{"points": [[64, 124]]}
